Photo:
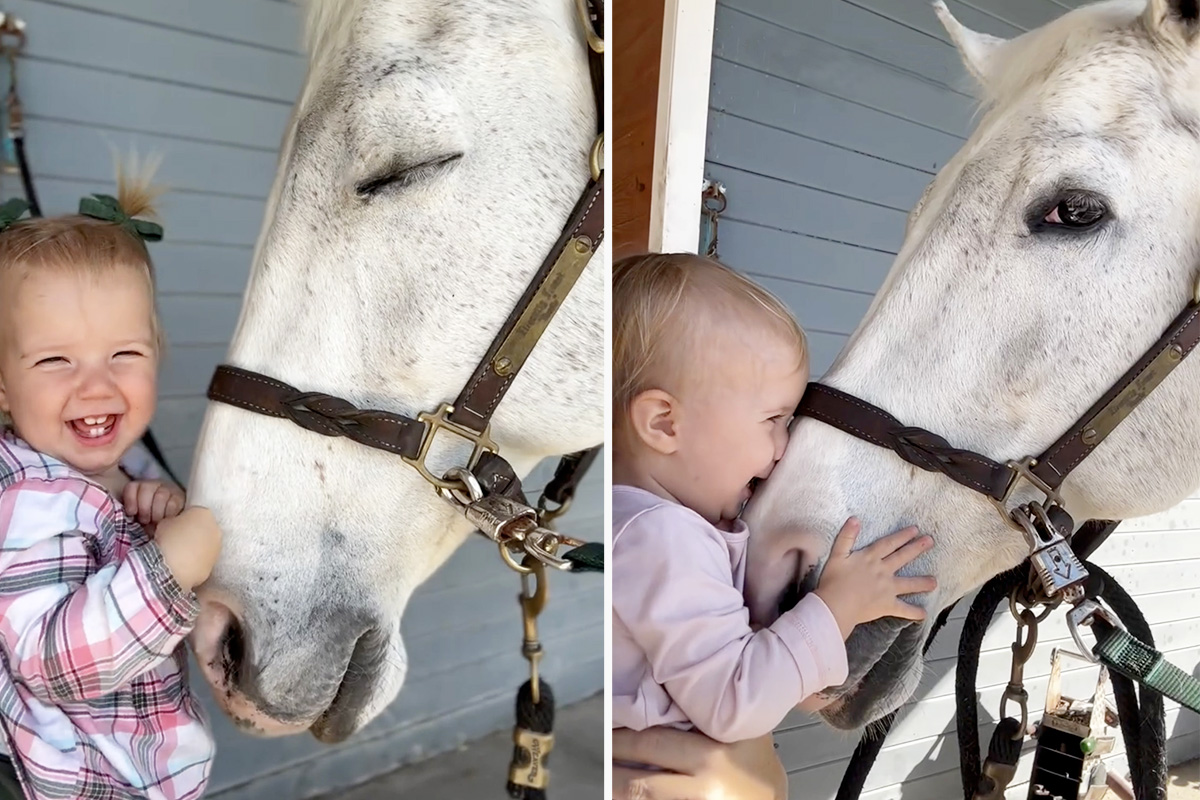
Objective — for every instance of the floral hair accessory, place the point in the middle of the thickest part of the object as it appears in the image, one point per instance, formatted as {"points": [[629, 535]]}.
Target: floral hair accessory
{"points": [[106, 207]]}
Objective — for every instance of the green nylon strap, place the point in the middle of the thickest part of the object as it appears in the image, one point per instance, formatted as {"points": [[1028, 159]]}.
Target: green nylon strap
{"points": [[1122, 652], [587, 557]]}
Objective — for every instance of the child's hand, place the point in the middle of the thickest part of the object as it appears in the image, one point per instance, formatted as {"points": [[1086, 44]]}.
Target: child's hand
{"points": [[190, 544], [152, 501], [863, 586]]}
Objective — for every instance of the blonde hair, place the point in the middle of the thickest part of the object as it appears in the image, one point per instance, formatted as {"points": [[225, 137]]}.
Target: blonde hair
{"points": [[85, 245], [652, 295]]}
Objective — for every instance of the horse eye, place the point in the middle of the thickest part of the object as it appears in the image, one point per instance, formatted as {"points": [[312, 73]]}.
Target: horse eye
{"points": [[403, 176], [1076, 210]]}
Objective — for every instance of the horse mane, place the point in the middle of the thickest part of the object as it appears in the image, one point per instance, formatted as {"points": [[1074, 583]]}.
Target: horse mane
{"points": [[1030, 58]]}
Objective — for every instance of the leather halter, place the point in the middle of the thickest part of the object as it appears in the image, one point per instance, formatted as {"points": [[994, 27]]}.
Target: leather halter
{"points": [[1047, 471], [468, 417]]}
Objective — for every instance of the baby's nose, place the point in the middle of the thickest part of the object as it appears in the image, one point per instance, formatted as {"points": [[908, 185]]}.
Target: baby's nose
{"points": [[96, 383]]}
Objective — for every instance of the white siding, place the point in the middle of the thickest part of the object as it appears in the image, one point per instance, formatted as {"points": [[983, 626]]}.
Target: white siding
{"points": [[827, 119], [210, 85]]}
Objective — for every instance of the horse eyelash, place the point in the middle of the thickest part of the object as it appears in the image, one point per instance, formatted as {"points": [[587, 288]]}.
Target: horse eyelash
{"points": [[403, 177]]}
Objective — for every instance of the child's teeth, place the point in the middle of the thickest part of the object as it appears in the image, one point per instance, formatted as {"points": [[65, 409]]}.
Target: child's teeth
{"points": [[94, 427]]}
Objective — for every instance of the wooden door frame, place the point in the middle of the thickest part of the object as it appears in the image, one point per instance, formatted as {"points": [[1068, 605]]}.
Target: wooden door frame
{"points": [[681, 128], [674, 166]]}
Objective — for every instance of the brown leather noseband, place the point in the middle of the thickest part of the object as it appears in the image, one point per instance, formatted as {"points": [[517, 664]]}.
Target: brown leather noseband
{"points": [[1047, 471]]}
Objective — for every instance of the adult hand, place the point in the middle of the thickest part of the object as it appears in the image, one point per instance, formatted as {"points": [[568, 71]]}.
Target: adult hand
{"points": [[701, 769]]}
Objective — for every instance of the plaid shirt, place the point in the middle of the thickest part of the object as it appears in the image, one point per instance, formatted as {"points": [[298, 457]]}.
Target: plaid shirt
{"points": [[93, 692]]}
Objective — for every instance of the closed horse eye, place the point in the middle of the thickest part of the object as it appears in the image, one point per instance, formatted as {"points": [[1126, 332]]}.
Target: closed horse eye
{"points": [[403, 176], [1074, 210]]}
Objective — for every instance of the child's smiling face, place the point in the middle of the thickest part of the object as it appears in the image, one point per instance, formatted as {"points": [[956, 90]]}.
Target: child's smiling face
{"points": [[79, 363], [732, 422]]}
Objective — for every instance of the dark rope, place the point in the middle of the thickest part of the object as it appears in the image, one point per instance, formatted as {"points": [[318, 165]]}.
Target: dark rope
{"points": [[1142, 728], [35, 209], [864, 758], [152, 445], [993, 593], [538, 718], [1004, 752]]}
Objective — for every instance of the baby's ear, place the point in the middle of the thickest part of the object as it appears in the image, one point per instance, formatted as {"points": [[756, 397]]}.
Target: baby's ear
{"points": [[652, 417]]}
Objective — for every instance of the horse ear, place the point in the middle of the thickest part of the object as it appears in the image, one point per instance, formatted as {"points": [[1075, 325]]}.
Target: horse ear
{"points": [[975, 48], [1173, 20]]}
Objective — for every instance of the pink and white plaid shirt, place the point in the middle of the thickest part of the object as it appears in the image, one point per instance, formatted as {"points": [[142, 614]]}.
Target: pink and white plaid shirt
{"points": [[94, 699]]}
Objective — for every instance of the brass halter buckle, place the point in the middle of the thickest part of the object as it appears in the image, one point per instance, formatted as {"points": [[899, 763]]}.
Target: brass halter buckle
{"points": [[548, 515], [1023, 470], [440, 420], [594, 40], [596, 157]]}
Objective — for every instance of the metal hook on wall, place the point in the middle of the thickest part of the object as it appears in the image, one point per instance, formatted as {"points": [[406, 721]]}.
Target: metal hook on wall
{"points": [[712, 205]]}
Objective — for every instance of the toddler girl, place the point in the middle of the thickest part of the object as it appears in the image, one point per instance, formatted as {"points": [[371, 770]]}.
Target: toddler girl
{"points": [[94, 700], [708, 369]]}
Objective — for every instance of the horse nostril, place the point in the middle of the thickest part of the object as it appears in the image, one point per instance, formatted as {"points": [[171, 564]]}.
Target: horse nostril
{"points": [[232, 651], [804, 582]]}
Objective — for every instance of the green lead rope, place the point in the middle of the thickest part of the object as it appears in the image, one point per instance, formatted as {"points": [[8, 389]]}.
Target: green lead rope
{"points": [[587, 557], [1120, 651]]}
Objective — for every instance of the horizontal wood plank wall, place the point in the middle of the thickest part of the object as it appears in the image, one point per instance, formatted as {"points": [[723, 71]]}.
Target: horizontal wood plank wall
{"points": [[210, 86], [827, 119]]}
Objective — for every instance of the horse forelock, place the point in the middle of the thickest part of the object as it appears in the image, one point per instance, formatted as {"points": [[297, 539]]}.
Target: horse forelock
{"points": [[328, 26]]}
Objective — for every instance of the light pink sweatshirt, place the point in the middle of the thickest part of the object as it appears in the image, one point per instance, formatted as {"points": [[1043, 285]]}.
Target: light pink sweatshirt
{"points": [[683, 649]]}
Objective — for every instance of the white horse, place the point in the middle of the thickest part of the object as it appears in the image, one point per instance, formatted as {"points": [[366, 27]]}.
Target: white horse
{"points": [[1039, 265], [432, 159]]}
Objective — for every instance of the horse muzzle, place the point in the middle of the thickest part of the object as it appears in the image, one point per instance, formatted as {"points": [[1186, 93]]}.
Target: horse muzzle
{"points": [[327, 680]]}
